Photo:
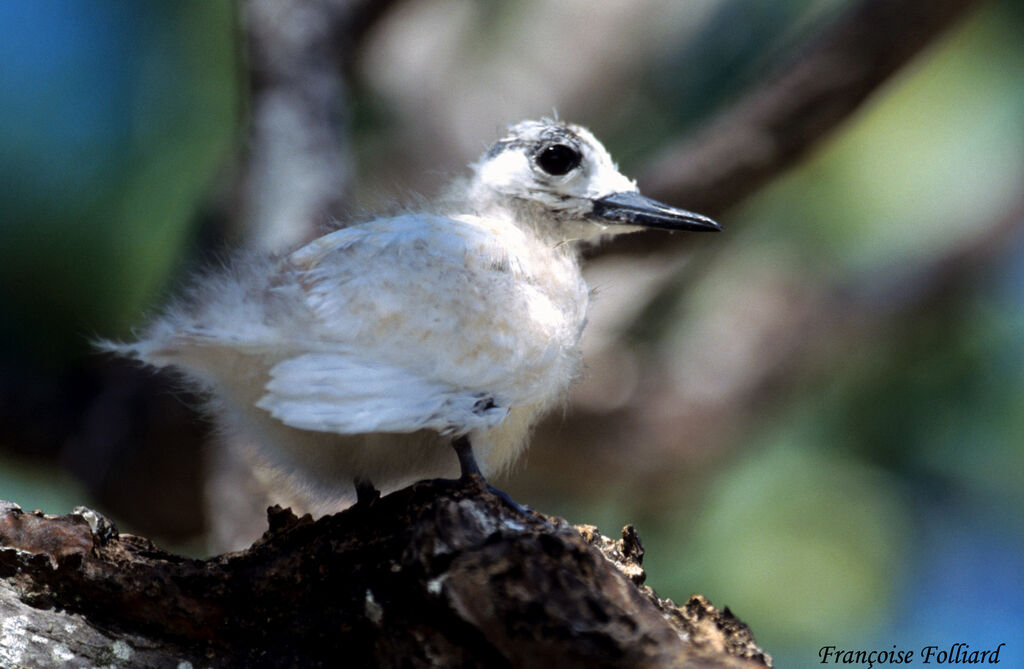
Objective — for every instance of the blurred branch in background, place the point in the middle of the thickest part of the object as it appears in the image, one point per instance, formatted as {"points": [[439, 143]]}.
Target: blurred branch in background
{"points": [[298, 168], [812, 91]]}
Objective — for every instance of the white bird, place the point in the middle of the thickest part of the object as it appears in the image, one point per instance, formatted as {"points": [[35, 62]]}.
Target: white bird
{"points": [[366, 354]]}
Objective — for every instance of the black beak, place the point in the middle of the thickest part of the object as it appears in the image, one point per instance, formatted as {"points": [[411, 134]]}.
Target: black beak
{"points": [[632, 208]]}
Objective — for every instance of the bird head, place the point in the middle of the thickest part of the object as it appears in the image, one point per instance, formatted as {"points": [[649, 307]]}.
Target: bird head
{"points": [[559, 179]]}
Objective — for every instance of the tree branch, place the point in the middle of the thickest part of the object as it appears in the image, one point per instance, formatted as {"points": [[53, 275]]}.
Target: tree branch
{"points": [[298, 170], [444, 573], [810, 95], [773, 126]]}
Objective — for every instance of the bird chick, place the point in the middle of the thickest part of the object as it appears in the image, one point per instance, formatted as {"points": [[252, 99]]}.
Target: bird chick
{"points": [[366, 354]]}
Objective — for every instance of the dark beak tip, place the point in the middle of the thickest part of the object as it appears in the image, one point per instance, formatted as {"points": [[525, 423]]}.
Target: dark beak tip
{"points": [[694, 222], [636, 209], [702, 226]]}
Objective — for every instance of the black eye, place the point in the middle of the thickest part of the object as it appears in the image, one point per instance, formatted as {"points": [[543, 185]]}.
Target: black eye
{"points": [[558, 159]]}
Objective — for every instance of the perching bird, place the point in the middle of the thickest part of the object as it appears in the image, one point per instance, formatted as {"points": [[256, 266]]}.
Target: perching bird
{"points": [[363, 356]]}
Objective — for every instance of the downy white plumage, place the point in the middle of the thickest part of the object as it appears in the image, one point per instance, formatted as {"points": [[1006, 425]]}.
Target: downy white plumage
{"points": [[363, 355]]}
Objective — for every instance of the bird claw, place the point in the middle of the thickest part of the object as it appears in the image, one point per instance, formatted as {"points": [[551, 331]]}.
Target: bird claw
{"points": [[511, 504]]}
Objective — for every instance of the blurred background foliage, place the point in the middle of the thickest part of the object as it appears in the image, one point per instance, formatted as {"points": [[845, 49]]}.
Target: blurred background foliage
{"points": [[111, 114], [815, 418]]}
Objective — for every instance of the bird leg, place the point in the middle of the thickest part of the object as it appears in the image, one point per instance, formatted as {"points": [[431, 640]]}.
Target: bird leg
{"points": [[468, 466], [365, 492], [467, 461]]}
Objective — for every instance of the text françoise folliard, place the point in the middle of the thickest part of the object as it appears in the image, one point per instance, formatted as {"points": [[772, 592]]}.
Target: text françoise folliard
{"points": [[958, 653]]}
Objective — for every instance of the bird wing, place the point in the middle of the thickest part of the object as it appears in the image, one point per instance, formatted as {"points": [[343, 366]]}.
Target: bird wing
{"points": [[394, 325], [430, 295], [328, 392], [381, 339]]}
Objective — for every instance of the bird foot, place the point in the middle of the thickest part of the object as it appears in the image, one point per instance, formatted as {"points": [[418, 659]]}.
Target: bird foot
{"points": [[511, 504], [470, 471], [467, 461]]}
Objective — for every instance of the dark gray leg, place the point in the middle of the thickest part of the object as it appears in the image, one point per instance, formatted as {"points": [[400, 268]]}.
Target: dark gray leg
{"points": [[365, 492], [467, 463]]}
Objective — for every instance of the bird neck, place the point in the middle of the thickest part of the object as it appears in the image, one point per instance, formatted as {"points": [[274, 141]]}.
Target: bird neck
{"points": [[547, 230]]}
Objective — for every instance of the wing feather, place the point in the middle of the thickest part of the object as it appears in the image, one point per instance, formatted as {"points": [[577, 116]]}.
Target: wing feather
{"points": [[336, 393]]}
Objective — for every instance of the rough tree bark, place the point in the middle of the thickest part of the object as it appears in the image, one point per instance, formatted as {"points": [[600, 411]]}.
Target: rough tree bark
{"points": [[440, 574]]}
